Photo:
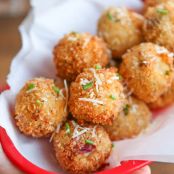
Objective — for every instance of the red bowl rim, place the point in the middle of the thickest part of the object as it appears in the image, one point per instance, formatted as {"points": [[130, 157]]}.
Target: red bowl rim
{"points": [[25, 165]]}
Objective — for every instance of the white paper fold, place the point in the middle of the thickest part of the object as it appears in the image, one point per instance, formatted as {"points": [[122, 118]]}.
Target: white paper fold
{"points": [[47, 22]]}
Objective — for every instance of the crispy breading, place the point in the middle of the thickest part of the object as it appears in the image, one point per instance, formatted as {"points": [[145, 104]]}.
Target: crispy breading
{"points": [[40, 107]]}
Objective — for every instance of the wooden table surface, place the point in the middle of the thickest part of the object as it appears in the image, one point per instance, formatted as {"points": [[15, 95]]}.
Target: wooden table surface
{"points": [[9, 46]]}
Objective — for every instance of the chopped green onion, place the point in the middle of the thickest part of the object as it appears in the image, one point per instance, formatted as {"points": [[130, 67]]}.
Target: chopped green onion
{"points": [[97, 67], [30, 86], [112, 97], [167, 72], [56, 89], [73, 32], [87, 86], [162, 11], [109, 16], [126, 109], [112, 145], [119, 76], [89, 142], [38, 102], [67, 126]]}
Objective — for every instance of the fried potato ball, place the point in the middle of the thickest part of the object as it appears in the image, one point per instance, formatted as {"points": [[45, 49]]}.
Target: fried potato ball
{"points": [[148, 71], [40, 107], [152, 3], [159, 25], [121, 29], [97, 96], [164, 100], [76, 51], [81, 149], [134, 118]]}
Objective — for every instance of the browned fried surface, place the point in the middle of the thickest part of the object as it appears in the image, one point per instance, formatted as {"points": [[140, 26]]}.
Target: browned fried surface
{"points": [[159, 25], [165, 100], [134, 118], [77, 51], [148, 71], [74, 154], [40, 109], [121, 29], [108, 96]]}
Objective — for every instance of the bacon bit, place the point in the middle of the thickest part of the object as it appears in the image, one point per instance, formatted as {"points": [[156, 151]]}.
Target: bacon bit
{"points": [[87, 148]]}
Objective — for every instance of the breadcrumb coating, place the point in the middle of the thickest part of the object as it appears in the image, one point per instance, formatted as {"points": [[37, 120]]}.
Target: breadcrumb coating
{"points": [[164, 100], [81, 149], [134, 118], [40, 107], [159, 25], [121, 29], [97, 96], [148, 71], [76, 51]]}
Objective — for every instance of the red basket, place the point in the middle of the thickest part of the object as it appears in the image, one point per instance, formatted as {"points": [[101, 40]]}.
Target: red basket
{"points": [[23, 164]]}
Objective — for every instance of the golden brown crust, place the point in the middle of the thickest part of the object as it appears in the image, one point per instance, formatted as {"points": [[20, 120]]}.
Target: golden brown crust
{"points": [[148, 71], [39, 108], [121, 29], [165, 100], [135, 117], [76, 51], [107, 97], [152, 3], [159, 25], [75, 155]]}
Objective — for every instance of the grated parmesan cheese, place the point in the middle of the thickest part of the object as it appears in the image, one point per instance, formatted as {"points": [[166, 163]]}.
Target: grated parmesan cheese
{"points": [[94, 101], [84, 81], [78, 133], [66, 89], [56, 131], [98, 81]]}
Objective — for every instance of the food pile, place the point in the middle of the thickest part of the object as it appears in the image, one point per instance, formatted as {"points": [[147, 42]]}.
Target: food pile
{"points": [[105, 87]]}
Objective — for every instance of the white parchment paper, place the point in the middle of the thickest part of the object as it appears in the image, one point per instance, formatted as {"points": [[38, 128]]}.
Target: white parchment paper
{"points": [[46, 23]]}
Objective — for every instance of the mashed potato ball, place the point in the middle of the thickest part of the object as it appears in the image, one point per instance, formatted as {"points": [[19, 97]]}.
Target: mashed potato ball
{"points": [[97, 96], [76, 51], [152, 3], [40, 106], [121, 29], [134, 118], [164, 100], [159, 25], [148, 71], [81, 149]]}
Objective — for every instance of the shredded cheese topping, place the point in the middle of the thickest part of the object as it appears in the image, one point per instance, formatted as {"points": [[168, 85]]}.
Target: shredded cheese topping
{"points": [[56, 131], [66, 89], [94, 101], [98, 81], [84, 81], [77, 133]]}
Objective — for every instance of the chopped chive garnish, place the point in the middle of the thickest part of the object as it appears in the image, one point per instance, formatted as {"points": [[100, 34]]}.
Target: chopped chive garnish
{"points": [[109, 16], [30, 86], [162, 11], [126, 109], [87, 86], [112, 97], [73, 32], [167, 73], [97, 67], [38, 102], [89, 142], [119, 76], [56, 89], [112, 145], [67, 126]]}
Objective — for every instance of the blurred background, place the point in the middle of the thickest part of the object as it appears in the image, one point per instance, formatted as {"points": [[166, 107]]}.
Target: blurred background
{"points": [[12, 12]]}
